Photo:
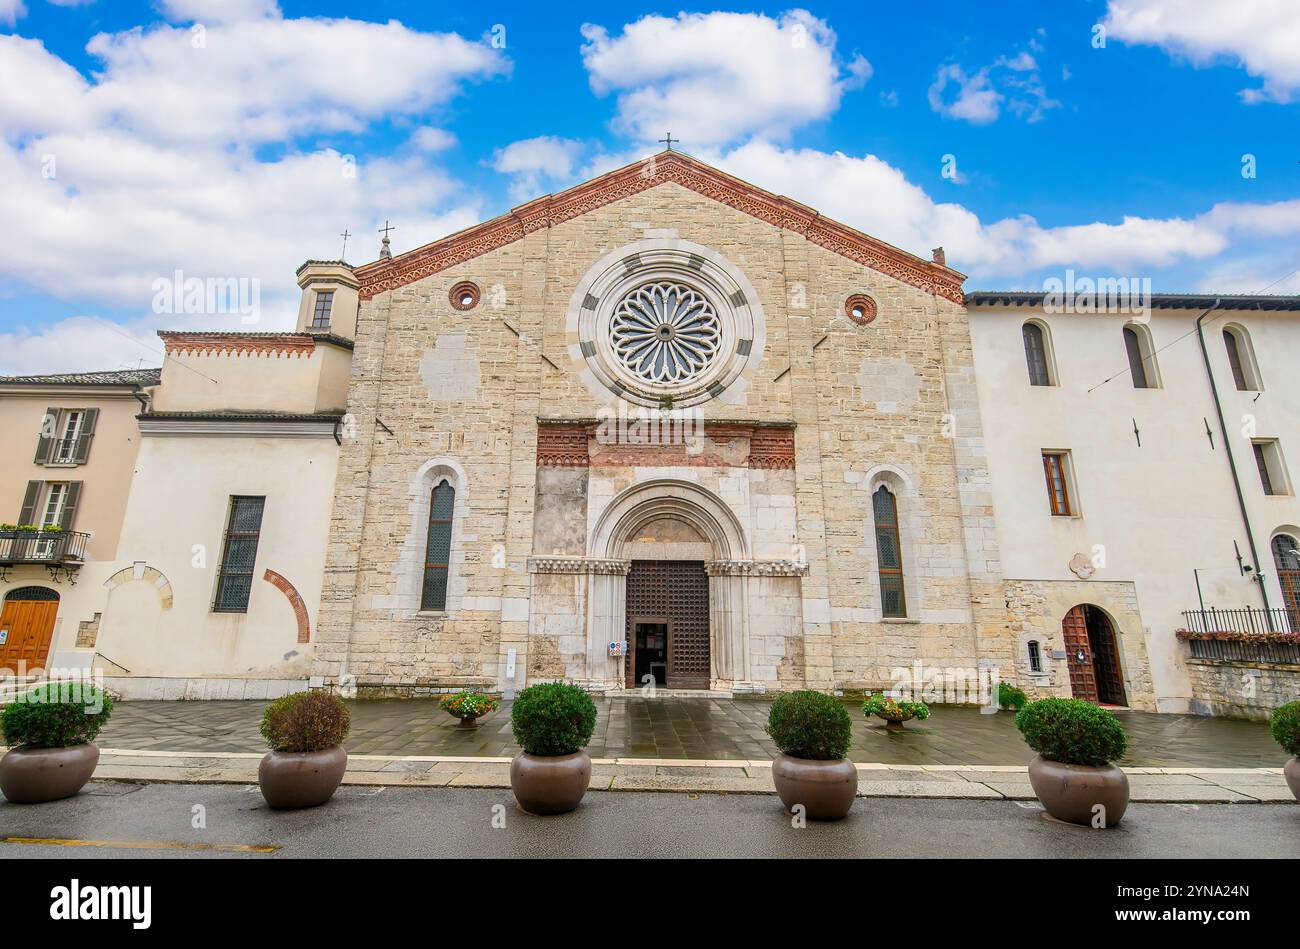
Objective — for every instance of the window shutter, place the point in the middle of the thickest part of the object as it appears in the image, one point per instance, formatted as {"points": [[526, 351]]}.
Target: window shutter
{"points": [[82, 451], [45, 442], [70, 505], [28, 513]]}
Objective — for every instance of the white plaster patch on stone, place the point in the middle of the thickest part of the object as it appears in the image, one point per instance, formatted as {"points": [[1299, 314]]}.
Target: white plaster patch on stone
{"points": [[481, 604], [816, 610], [514, 609], [736, 394], [450, 370], [892, 384], [658, 233]]}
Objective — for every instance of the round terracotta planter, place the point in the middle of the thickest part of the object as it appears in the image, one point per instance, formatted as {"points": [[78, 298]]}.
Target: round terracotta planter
{"points": [[1069, 792], [291, 779], [36, 775], [469, 721], [1292, 772], [826, 789], [550, 784]]}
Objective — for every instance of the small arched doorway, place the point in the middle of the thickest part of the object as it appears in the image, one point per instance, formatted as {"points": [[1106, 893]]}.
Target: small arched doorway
{"points": [[26, 629], [1092, 651]]}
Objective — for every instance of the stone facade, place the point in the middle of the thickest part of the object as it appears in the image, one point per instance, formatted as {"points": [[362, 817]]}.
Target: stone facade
{"points": [[544, 525]]}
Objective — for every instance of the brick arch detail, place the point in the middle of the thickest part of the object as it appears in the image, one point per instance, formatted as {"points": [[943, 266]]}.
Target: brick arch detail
{"points": [[142, 571], [295, 600]]}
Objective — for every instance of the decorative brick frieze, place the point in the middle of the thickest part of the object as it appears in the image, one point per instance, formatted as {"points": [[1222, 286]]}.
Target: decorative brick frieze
{"points": [[238, 344], [578, 565], [640, 176], [580, 444], [771, 448], [756, 568], [563, 446]]}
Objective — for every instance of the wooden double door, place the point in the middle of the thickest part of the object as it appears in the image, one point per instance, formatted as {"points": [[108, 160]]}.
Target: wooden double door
{"points": [[26, 628], [1092, 652], [668, 624]]}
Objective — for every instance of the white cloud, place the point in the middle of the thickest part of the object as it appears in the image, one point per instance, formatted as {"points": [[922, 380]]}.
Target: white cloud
{"points": [[219, 11], [531, 161], [873, 196], [152, 165], [1263, 35], [11, 10], [979, 98], [430, 139], [712, 78]]}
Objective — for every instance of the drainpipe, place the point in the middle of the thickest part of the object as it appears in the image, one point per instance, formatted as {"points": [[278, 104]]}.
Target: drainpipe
{"points": [[1232, 464]]}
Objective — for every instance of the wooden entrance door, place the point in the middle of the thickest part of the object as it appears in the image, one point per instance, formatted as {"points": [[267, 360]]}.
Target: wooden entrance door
{"points": [[26, 628], [1092, 652], [673, 594]]}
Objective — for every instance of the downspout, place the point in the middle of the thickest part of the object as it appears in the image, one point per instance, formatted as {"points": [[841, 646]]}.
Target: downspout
{"points": [[1232, 464]]}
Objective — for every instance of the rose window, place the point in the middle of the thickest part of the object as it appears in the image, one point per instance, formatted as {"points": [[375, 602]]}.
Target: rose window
{"points": [[665, 333]]}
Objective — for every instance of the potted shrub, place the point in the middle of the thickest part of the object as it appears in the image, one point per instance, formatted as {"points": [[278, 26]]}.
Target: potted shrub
{"points": [[1072, 773], [552, 722], [468, 706], [306, 762], [1284, 723], [894, 713], [1011, 697], [813, 731], [50, 732]]}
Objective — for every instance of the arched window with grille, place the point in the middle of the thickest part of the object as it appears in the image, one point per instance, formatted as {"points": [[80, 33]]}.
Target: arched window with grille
{"points": [[1241, 359], [437, 548], [889, 555], [1286, 557], [1038, 356]]}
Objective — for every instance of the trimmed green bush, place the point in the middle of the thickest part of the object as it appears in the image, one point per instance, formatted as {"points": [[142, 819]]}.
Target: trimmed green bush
{"points": [[1284, 723], [306, 721], [1072, 731], [811, 725], [1011, 697], [553, 718], [56, 715]]}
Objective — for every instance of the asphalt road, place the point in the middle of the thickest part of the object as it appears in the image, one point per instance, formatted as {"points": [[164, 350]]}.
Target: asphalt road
{"points": [[158, 820]]}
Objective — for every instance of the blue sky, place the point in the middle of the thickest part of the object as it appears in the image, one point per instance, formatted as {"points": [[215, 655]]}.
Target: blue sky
{"points": [[235, 139]]}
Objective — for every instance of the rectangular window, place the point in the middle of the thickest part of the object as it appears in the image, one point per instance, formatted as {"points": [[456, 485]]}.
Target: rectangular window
{"points": [[1056, 470], [320, 318], [55, 498], [65, 436], [1272, 471], [66, 449], [239, 551], [1035, 656]]}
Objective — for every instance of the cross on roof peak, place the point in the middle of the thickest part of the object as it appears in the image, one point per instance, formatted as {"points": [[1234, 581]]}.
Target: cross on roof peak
{"points": [[669, 141]]}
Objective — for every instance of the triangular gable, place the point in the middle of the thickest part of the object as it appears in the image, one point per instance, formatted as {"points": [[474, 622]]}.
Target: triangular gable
{"points": [[690, 173]]}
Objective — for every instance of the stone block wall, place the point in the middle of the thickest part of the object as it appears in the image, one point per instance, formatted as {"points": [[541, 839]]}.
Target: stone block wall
{"points": [[1240, 689]]}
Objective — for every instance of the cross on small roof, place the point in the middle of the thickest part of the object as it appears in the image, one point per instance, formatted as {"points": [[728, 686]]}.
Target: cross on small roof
{"points": [[669, 141], [345, 235], [386, 228]]}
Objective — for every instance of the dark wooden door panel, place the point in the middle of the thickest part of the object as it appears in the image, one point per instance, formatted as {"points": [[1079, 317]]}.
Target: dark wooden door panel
{"points": [[679, 591], [1083, 680]]}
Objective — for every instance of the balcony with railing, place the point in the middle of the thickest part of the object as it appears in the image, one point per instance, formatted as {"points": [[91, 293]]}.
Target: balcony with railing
{"points": [[42, 547], [1243, 634]]}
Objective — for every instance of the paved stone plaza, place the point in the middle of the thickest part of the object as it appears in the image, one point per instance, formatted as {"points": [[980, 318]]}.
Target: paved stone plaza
{"points": [[688, 728]]}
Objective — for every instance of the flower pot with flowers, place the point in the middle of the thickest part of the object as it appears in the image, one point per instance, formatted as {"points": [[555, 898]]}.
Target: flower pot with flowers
{"points": [[468, 707], [894, 712]]}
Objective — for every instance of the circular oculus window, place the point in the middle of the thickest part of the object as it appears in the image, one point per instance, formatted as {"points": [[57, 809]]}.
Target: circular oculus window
{"points": [[860, 308], [464, 295]]}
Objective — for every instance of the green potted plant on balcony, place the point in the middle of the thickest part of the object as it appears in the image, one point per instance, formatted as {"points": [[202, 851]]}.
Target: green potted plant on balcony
{"points": [[895, 713], [813, 732], [468, 707], [1284, 723], [306, 762], [552, 722], [1072, 774], [50, 732]]}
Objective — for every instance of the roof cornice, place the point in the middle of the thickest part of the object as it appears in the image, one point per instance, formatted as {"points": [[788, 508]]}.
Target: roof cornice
{"points": [[1157, 301], [668, 166]]}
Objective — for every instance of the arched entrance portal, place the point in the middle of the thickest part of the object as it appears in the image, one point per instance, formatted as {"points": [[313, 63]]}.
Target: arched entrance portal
{"points": [[679, 613], [1092, 652], [26, 629]]}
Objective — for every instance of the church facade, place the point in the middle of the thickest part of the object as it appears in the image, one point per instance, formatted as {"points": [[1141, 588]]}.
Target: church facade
{"points": [[670, 410]]}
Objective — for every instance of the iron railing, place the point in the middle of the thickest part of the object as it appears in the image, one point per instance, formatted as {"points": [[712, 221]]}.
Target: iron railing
{"points": [[42, 547], [1242, 620], [1245, 634]]}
